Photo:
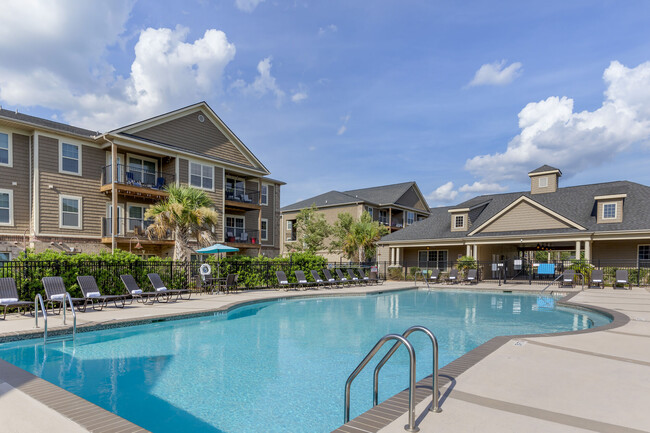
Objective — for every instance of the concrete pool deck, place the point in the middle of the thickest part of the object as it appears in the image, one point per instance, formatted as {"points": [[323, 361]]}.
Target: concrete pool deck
{"points": [[597, 381]]}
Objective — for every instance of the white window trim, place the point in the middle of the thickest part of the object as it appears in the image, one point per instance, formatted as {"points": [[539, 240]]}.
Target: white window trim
{"points": [[456, 226], [541, 184], [615, 211], [109, 215], [79, 146], [11, 207], [264, 202], [267, 230], [406, 220], [638, 248], [189, 175], [289, 225], [8, 253], [427, 251], [10, 149], [127, 214], [127, 163], [72, 197]]}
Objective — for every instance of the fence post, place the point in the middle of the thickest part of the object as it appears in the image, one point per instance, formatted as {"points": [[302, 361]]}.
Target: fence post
{"points": [[638, 274]]}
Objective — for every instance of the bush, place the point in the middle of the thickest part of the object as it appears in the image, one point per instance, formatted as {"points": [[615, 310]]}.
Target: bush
{"points": [[395, 273]]}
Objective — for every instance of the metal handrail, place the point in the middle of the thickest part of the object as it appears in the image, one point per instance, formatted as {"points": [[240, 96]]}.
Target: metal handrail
{"points": [[68, 298], [39, 299], [435, 407], [582, 280], [346, 412]]}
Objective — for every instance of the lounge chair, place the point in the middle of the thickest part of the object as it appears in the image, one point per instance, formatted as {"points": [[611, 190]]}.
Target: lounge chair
{"points": [[597, 279], [472, 276], [364, 277], [302, 279], [158, 285], [353, 277], [453, 276], [9, 297], [283, 281], [55, 294], [136, 292], [318, 279], [567, 278], [622, 279], [435, 276], [330, 279], [374, 277], [342, 278], [91, 293]]}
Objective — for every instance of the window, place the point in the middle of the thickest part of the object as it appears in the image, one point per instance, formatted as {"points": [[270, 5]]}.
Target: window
{"points": [[289, 225], [264, 196], [6, 207], [369, 210], [433, 259], [383, 217], [293, 235], [235, 189], [410, 218], [202, 176], [609, 211], [644, 255], [264, 235], [459, 221], [5, 256], [70, 158], [542, 182], [5, 149], [70, 216], [137, 222], [234, 228], [142, 171]]}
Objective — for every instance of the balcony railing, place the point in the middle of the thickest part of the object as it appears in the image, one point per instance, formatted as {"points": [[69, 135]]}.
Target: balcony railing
{"points": [[243, 195], [136, 176], [131, 227], [242, 236]]}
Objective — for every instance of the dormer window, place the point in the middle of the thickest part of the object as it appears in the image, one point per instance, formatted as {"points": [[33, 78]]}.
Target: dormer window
{"points": [[459, 221], [610, 208], [543, 182], [609, 211]]}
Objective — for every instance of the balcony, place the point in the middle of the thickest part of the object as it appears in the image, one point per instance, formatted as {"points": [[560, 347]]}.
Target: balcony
{"points": [[241, 198], [240, 238], [136, 182], [130, 228]]}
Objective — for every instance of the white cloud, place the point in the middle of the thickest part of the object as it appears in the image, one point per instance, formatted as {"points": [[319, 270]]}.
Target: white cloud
{"points": [[332, 28], [299, 96], [61, 63], [552, 133], [482, 188], [247, 5], [264, 83], [495, 74], [443, 194], [344, 126]]}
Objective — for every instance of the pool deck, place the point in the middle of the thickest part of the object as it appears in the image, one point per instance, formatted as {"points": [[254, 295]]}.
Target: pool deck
{"points": [[593, 381]]}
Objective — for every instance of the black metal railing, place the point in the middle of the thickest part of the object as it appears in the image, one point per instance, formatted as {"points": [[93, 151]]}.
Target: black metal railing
{"points": [[137, 176], [241, 236], [242, 195], [132, 227]]}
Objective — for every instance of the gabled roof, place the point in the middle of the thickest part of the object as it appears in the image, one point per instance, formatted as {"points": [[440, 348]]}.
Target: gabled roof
{"points": [[545, 168], [376, 195], [575, 204], [48, 124]]}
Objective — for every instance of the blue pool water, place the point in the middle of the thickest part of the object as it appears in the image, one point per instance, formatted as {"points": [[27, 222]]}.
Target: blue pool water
{"points": [[277, 366]]}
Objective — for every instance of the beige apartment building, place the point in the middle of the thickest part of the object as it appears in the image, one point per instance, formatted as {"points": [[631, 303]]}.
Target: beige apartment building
{"points": [[395, 206], [76, 190], [607, 223]]}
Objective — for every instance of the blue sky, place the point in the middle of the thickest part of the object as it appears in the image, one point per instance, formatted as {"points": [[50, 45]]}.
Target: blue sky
{"points": [[463, 97]]}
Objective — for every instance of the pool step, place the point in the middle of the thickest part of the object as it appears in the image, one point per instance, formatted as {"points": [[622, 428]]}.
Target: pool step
{"points": [[59, 338]]}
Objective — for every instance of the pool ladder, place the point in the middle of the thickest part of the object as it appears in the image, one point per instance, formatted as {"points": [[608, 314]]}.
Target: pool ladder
{"points": [[67, 300], [401, 339]]}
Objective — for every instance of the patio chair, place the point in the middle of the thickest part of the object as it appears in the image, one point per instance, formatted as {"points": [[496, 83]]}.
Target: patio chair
{"points": [[330, 279], [472, 276], [319, 281], [364, 277], [231, 282], [342, 278], [622, 279], [435, 276], [302, 279], [453, 276], [136, 292], [597, 279], [91, 293], [158, 285], [9, 297], [353, 277], [55, 294], [283, 281], [374, 277], [567, 278], [160, 183]]}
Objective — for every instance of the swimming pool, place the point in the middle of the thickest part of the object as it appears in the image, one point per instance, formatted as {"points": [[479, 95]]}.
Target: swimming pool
{"points": [[276, 366]]}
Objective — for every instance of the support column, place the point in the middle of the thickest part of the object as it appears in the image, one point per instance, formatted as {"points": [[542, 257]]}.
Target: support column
{"points": [[588, 251], [398, 254], [577, 250], [475, 252], [391, 251], [468, 250], [114, 179]]}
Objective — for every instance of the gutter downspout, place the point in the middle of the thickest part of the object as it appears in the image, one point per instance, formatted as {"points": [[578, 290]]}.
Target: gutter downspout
{"points": [[114, 210]]}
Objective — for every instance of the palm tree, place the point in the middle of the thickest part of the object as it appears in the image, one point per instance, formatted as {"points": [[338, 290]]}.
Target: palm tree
{"points": [[189, 213], [357, 238]]}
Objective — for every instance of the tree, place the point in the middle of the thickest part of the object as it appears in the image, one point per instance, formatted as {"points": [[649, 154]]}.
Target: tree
{"points": [[311, 231], [357, 239], [189, 213]]}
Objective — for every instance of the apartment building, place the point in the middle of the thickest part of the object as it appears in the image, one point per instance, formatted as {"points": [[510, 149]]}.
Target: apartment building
{"points": [[396, 206], [76, 190]]}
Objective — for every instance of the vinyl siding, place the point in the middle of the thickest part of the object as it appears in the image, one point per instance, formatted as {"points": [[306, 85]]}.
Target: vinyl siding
{"points": [[453, 222], [524, 217], [19, 173], [268, 212], [412, 200], [188, 133], [619, 211], [615, 250], [552, 184]]}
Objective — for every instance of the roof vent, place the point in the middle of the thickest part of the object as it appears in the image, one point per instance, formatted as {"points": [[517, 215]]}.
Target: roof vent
{"points": [[201, 118]]}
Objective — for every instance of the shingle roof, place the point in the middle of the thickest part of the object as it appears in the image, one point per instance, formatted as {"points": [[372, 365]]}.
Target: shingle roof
{"points": [[377, 195], [544, 168], [574, 203], [37, 121]]}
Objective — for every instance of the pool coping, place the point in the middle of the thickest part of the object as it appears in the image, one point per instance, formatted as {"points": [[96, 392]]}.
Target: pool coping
{"points": [[386, 412], [96, 419]]}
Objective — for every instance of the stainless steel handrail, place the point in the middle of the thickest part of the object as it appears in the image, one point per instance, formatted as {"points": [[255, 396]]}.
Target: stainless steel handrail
{"points": [[411, 425], [435, 407], [39, 299], [68, 298], [550, 284]]}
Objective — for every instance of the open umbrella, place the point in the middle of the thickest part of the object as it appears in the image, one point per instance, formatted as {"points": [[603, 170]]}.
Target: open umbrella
{"points": [[217, 248]]}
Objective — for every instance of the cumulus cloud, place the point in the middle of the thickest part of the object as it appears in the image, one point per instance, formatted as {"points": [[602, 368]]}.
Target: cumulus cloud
{"points": [[247, 5], [264, 83], [496, 74], [61, 63], [552, 133], [332, 28], [344, 126], [443, 194], [299, 96], [482, 188]]}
